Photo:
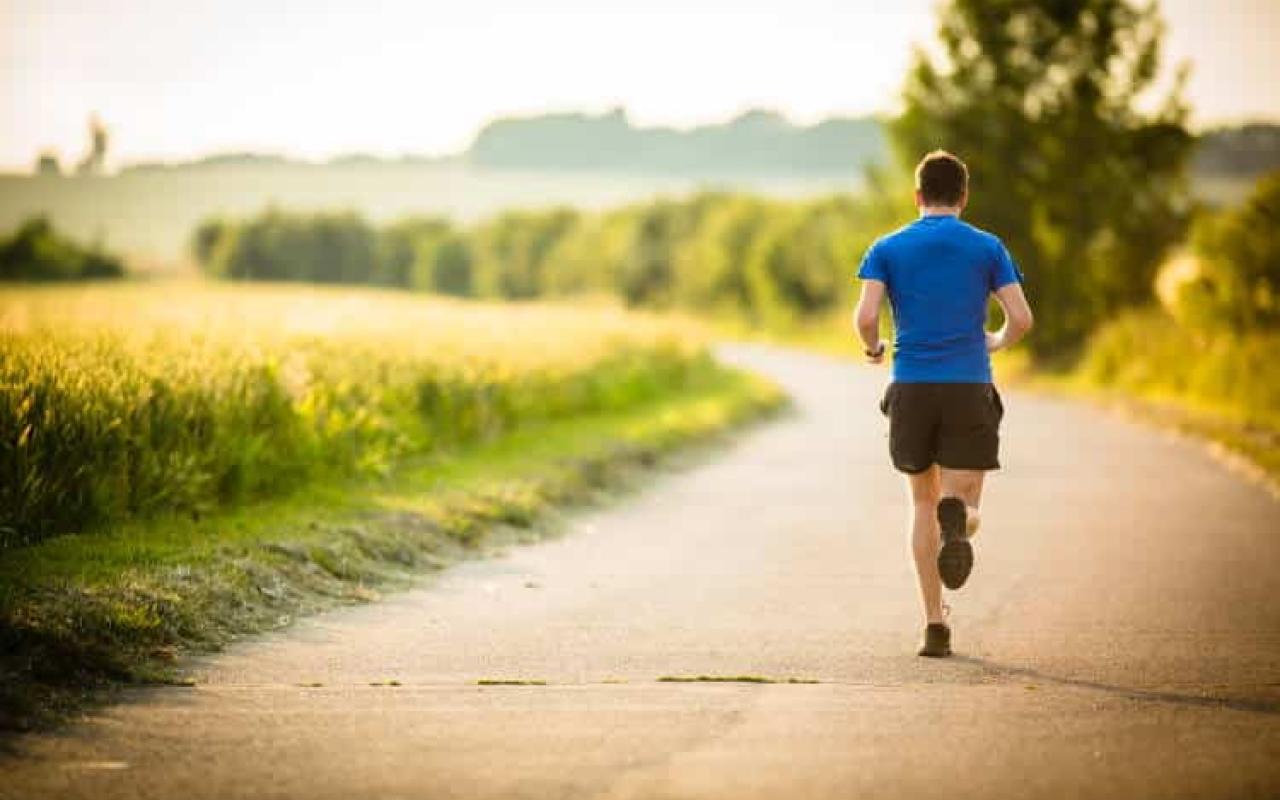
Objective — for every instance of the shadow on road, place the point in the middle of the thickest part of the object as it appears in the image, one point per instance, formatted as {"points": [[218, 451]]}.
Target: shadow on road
{"points": [[1247, 704]]}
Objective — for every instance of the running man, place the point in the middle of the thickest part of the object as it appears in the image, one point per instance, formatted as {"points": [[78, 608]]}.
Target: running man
{"points": [[944, 412]]}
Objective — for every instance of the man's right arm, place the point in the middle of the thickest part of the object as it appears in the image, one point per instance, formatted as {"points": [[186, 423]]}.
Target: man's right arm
{"points": [[866, 319], [1017, 317]]}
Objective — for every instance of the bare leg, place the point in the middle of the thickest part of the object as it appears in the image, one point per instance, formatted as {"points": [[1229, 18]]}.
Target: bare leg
{"points": [[925, 539]]}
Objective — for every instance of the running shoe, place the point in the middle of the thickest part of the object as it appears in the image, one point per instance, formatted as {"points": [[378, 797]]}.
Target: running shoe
{"points": [[955, 560]]}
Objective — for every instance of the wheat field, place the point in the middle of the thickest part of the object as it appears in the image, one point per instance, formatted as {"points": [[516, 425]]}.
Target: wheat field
{"points": [[125, 401]]}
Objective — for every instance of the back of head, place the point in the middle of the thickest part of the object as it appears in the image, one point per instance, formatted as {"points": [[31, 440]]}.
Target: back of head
{"points": [[941, 179]]}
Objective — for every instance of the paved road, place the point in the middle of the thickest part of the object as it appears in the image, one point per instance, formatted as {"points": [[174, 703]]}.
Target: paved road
{"points": [[1120, 638]]}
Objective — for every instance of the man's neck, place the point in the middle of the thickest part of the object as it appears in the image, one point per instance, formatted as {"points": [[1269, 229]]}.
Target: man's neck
{"points": [[939, 211]]}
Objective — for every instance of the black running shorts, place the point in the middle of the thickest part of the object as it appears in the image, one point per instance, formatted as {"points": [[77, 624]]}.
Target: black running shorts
{"points": [[955, 425]]}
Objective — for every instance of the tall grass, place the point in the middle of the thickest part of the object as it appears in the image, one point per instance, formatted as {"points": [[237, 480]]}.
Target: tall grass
{"points": [[120, 402]]}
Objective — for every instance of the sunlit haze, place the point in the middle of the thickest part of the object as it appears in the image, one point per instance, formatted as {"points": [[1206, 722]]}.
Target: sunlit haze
{"points": [[313, 79]]}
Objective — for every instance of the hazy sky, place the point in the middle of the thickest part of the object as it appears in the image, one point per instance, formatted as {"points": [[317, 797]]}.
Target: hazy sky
{"points": [[176, 79]]}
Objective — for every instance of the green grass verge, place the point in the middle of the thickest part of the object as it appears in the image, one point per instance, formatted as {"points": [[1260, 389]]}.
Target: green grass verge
{"points": [[83, 612]]}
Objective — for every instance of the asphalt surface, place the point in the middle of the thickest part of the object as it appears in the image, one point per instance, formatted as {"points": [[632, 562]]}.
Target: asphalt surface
{"points": [[1120, 637]]}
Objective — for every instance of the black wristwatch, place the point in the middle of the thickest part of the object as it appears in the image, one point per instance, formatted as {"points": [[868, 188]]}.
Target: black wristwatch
{"points": [[879, 351]]}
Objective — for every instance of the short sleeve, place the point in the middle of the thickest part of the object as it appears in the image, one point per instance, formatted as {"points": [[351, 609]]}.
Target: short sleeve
{"points": [[873, 266], [1003, 270]]}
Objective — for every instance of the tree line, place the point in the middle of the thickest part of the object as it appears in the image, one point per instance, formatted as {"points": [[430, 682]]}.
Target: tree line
{"points": [[768, 261]]}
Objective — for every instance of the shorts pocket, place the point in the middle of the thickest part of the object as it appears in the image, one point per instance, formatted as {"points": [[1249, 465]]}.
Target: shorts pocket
{"points": [[886, 400], [997, 404]]}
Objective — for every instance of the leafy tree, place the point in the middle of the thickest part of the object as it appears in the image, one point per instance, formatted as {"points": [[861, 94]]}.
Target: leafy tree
{"points": [[208, 234], [1039, 98], [453, 267], [648, 272], [709, 265], [589, 257], [513, 249], [444, 264], [400, 245], [820, 249], [38, 252], [343, 247], [1238, 286]]}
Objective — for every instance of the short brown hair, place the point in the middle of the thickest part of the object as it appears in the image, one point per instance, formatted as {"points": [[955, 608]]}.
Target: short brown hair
{"points": [[942, 179]]}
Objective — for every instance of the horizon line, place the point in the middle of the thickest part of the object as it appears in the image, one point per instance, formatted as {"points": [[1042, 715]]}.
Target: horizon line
{"points": [[268, 153]]}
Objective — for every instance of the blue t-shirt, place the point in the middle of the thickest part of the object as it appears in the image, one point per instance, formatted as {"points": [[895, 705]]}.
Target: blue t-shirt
{"points": [[938, 272]]}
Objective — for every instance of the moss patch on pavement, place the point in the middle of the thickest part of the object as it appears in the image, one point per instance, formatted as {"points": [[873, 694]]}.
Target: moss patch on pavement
{"points": [[730, 679]]}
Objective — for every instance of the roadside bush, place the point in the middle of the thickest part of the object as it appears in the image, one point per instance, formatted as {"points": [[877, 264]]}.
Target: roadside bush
{"points": [[1237, 285], [1147, 353]]}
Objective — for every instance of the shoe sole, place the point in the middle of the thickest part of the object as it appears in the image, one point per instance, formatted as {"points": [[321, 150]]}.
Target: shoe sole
{"points": [[955, 560]]}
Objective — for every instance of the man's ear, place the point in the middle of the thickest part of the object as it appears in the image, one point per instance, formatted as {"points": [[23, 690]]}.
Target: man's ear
{"points": [[919, 199], [964, 199]]}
